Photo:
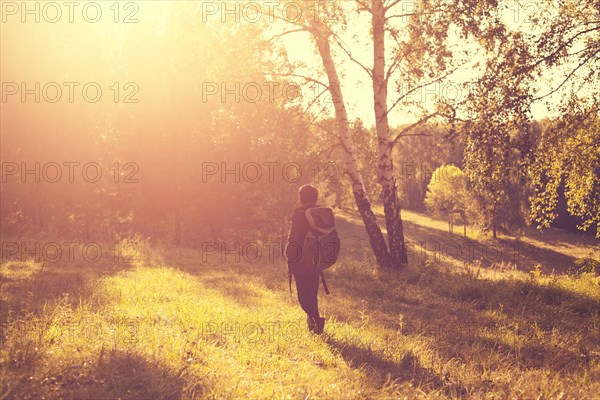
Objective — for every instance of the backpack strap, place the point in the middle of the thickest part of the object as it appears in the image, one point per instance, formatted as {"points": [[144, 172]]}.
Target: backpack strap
{"points": [[313, 226], [324, 283], [325, 287]]}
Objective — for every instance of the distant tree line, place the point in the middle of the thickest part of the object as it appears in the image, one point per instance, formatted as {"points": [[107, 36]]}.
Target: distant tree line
{"points": [[186, 164]]}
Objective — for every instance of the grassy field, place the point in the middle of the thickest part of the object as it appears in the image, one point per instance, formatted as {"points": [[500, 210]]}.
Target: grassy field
{"points": [[469, 318]]}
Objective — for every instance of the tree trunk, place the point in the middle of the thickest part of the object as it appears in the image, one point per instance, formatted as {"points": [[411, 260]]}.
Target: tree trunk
{"points": [[337, 189], [385, 165], [376, 238]]}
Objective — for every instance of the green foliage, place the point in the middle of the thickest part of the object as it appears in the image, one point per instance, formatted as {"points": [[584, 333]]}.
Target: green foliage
{"points": [[447, 194], [498, 118], [568, 153], [503, 159], [417, 157]]}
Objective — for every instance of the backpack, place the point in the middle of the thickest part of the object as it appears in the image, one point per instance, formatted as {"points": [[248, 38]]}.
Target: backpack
{"points": [[321, 246]]}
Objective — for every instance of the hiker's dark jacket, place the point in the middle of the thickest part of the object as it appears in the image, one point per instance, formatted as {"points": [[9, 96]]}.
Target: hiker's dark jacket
{"points": [[298, 232]]}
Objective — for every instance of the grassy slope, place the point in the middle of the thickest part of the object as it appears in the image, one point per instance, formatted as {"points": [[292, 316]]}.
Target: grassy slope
{"points": [[464, 319]]}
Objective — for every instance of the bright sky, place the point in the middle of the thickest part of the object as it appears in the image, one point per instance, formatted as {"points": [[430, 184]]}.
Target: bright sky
{"points": [[151, 15]]}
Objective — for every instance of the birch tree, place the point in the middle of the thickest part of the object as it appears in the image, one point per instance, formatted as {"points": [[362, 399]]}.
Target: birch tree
{"points": [[316, 16], [418, 58]]}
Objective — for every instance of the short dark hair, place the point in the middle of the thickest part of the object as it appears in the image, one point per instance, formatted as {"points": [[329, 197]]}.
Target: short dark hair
{"points": [[308, 194]]}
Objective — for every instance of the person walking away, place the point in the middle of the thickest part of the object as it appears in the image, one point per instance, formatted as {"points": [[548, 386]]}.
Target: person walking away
{"points": [[307, 278]]}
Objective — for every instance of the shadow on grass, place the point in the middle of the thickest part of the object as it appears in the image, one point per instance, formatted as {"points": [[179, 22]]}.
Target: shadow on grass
{"points": [[126, 375], [232, 285], [537, 356], [559, 237], [443, 245], [408, 369], [51, 283], [458, 310], [115, 375], [453, 309]]}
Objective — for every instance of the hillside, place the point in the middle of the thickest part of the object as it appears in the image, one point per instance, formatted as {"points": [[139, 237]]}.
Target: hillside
{"points": [[466, 318]]}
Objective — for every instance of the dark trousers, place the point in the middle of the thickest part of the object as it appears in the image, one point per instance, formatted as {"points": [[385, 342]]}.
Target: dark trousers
{"points": [[307, 286]]}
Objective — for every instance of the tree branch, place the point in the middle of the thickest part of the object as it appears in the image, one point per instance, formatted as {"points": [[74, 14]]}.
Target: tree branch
{"points": [[343, 47], [568, 77], [285, 33], [329, 150], [401, 15], [364, 6], [307, 78], [402, 133], [391, 4], [558, 50], [420, 87], [393, 66]]}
